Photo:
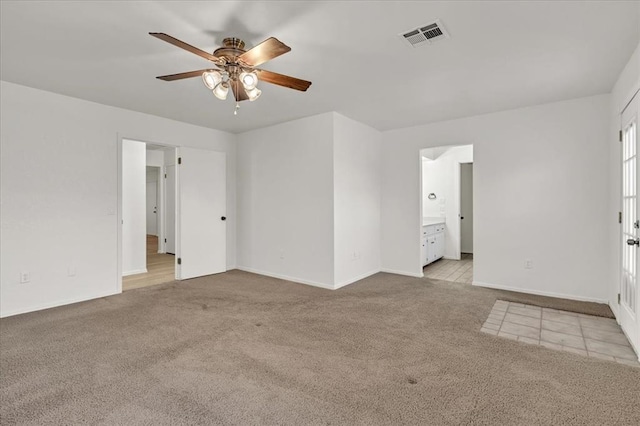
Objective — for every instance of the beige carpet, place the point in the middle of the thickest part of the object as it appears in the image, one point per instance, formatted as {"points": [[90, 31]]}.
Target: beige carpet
{"points": [[239, 348]]}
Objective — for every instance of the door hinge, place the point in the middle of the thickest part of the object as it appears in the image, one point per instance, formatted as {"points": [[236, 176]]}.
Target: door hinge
{"points": [[179, 160], [165, 240], [618, 298], [619, 217], [179, 261], [620, 136], [165, 175]]}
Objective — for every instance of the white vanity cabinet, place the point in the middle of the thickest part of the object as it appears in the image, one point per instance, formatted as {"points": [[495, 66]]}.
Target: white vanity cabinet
{"points": [[432, 243]]}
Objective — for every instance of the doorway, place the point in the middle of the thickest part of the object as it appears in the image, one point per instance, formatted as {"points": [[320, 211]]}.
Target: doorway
{"points": [[159, 266], [447, 213], [466, 209], [172, 206]]}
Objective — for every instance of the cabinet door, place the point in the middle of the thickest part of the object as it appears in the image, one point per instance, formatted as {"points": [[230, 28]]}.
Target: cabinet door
{"points": [[425, 258], [431, 249], [440, 245]]}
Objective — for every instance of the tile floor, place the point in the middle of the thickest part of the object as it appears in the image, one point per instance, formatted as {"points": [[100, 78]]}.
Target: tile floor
{"points": [[459, 271], [581, 334]]}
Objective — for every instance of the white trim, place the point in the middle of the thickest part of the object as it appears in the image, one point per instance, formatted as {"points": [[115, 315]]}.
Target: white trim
{"points": [[134, 272], [630, 98], [353, 280], [286, 278], [119, 214], [56, 304], [540, 293], [177, 236], [457, 196], [634, 345], [405, 273]]}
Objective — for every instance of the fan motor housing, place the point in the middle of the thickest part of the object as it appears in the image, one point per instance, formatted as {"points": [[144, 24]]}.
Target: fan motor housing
{"points": [[232, 47]]}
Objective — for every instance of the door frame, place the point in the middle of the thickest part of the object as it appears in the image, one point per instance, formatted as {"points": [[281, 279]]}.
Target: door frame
{"points": [[457, 188], [158, 205], [119, 141], [460, 205]]}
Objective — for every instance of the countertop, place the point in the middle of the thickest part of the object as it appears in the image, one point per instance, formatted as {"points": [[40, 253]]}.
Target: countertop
{"points": [[426, 221]]}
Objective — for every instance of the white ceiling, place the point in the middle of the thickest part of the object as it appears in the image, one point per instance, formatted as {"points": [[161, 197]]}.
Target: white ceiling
{"points": [[501, 55]]}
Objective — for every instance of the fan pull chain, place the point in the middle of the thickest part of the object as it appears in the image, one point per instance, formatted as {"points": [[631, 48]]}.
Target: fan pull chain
{"points": [[235, 112]]}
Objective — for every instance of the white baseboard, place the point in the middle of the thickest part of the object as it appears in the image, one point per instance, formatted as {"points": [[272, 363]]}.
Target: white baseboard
{"points": [[540, 293], [49, 305], [353, 280], [286, 278], [634, 345], [134, 272], [405, 273]]}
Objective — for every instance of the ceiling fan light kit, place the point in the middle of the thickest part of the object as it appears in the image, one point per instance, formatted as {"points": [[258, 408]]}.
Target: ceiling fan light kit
{"points": [[221, 90], [211, 79], [236, 68]]}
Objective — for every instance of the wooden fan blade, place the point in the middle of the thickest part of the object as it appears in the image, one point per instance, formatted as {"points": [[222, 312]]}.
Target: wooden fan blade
{"points": [[283, 80], [185, 46], [180, 76], [265, 51], [238, 91]]}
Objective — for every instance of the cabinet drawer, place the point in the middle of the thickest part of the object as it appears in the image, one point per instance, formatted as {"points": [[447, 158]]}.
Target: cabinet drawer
{"points": [[429, 230]]}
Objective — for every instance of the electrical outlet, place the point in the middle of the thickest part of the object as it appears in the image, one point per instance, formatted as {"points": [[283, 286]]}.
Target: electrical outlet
{"points": [[25, 277], [528, 264]]}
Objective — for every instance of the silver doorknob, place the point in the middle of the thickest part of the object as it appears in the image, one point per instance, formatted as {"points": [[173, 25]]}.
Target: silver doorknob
{"points": [[633, 242]]}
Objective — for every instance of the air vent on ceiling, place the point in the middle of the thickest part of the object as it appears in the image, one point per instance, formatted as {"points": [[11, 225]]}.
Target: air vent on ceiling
{"points": [[425, 34]]}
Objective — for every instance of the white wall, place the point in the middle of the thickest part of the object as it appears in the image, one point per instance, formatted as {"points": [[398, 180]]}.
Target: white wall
{"points": [[627, 84], [285, 200], [434, 176], [356, 184], [309, 200], [539, 175], [134, 216], [155, 157], [59, 183]]}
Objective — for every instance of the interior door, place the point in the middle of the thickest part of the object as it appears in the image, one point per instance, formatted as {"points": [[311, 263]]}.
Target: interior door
{"points": [[466, 208], [152, 208], [202, 231], [170, 210], [628, 314]]}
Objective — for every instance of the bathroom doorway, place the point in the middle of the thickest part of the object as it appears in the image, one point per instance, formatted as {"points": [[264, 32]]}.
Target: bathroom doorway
{"points": [[447, 213]]}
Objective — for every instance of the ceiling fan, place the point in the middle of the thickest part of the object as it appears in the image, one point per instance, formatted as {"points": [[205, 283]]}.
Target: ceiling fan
{"points": [[236, 68]]}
